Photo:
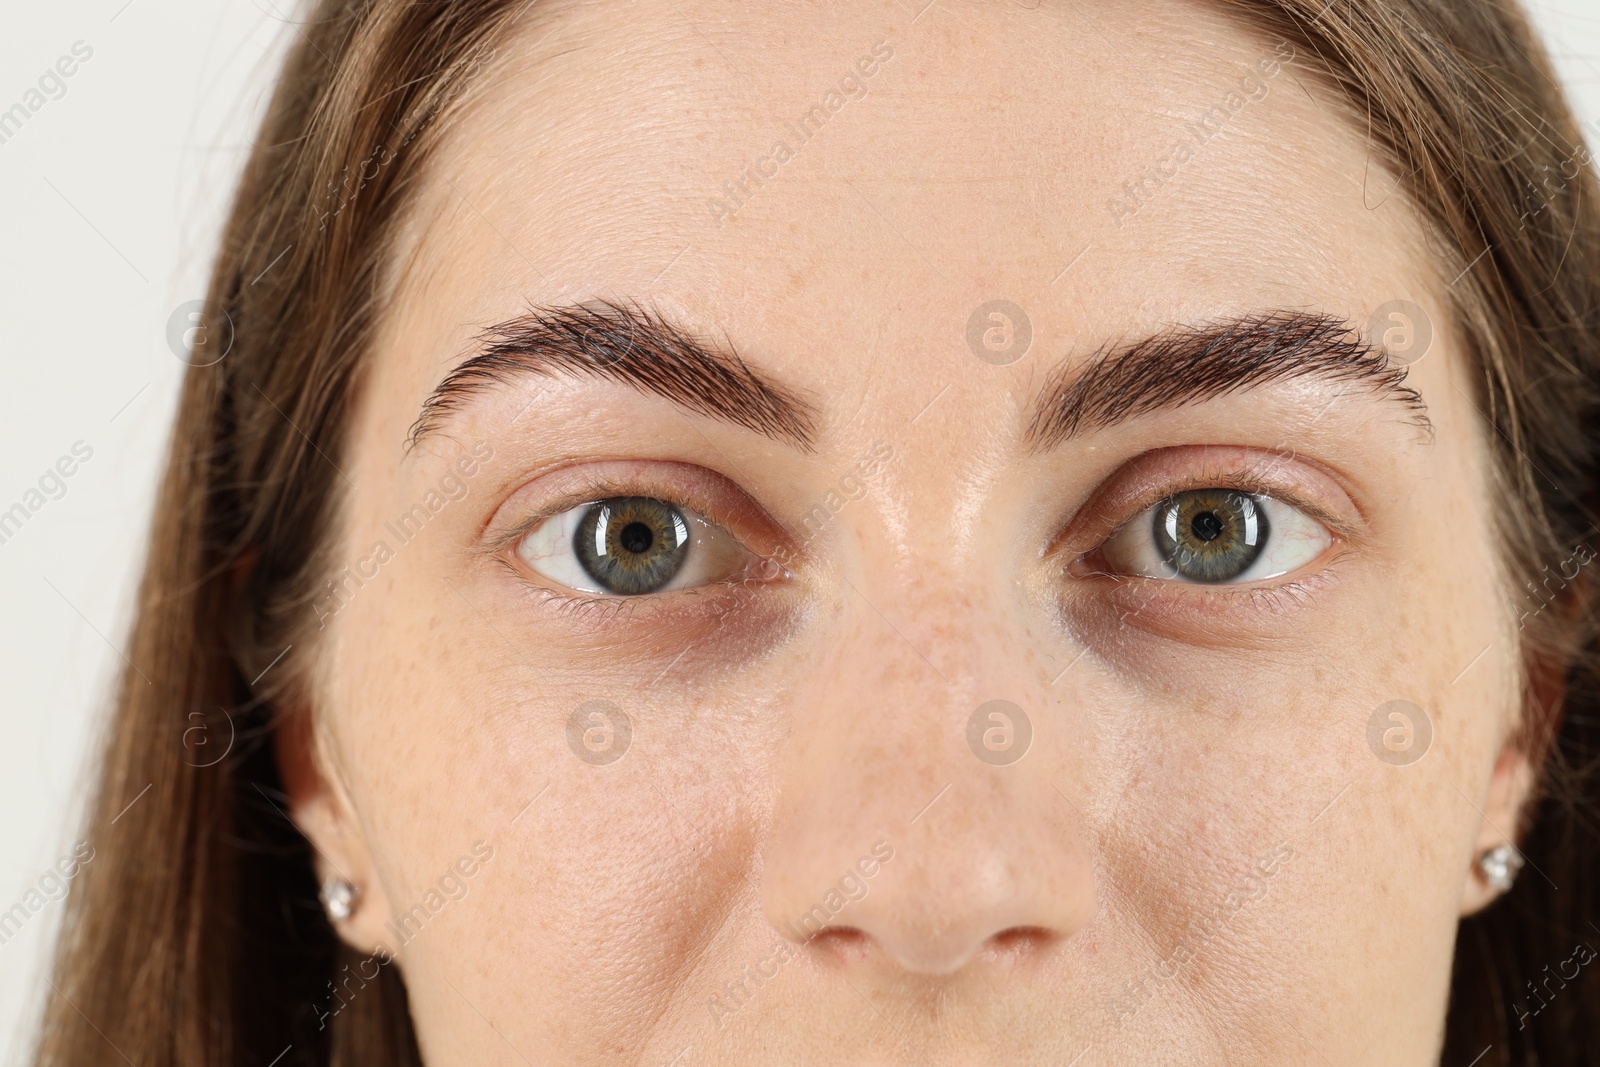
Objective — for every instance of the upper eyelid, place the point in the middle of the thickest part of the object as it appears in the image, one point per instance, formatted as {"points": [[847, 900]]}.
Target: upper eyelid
{"points": [[1278, 493], [599, 490], [732, 511]]}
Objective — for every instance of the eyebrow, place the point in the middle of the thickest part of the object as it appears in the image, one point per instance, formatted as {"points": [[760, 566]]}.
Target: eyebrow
{"points": [[1187, 364], [622, 343]]}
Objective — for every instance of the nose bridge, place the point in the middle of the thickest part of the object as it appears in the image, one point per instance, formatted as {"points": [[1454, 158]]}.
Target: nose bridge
{"points": [[910, 817]]}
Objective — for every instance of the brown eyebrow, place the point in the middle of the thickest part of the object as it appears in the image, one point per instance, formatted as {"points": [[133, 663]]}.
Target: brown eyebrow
{"points": [[1191, 364], [621, 343]]}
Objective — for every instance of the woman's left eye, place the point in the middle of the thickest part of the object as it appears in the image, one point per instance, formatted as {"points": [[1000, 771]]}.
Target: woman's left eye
{"points": [[1215, 536], [632, 545]]}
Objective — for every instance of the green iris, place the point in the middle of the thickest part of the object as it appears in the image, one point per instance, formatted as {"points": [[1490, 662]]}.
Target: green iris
{"points": [[632, 544], [1210, 535]]}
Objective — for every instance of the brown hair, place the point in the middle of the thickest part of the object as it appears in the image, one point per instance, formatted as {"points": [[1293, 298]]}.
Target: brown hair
{"points": [[195, 937]]}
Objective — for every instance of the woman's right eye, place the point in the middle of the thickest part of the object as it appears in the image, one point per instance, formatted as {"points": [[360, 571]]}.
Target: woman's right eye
{"points": [[632, 546]]}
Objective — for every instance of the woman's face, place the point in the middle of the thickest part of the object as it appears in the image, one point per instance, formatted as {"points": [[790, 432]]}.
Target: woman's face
{"points": [[1023, 609]]}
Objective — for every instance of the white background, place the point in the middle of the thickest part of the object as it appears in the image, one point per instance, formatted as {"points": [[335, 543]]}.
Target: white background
{"points": [[111, 199]]}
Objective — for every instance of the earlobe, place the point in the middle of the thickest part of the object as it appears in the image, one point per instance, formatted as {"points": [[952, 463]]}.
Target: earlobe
{"points": [[1495, 856], [320, 809], [1496, 859]]}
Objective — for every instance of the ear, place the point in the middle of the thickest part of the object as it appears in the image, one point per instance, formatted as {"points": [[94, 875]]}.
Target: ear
{"points": [[1516, 769], [320, 807], [1509, 789]]}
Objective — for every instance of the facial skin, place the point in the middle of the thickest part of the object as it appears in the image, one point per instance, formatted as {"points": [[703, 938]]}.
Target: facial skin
{"points": [[1200, 858]]}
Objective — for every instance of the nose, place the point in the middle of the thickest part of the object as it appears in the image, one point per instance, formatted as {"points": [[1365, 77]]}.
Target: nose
{"points": [[909, 835]]}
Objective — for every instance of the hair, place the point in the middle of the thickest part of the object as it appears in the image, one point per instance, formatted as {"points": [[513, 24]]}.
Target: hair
{"points": [[195, 937]]}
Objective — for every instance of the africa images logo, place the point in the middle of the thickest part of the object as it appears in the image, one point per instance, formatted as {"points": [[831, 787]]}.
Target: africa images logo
{"points": [[52, 85]]}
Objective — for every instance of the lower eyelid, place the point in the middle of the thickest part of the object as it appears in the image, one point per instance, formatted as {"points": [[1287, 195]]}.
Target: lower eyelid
{"points": [[720, 616], [1236, 617]]}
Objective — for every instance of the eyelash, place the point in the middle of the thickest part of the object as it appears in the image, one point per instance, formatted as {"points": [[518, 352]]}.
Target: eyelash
{"points": [[608, 608], [1245, 483], [587, 605], [591, 489]]}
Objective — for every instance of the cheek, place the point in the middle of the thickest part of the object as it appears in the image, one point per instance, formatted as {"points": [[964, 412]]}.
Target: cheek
{"points": [[610, 875], [619, 876], [1223, 759]]}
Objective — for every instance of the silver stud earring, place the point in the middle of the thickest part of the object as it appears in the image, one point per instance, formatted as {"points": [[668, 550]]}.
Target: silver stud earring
{"points": [[1499, 866], [339, 898]]}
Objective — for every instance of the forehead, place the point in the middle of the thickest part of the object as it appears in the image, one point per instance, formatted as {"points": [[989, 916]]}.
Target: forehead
{"points": [[821, 180]]}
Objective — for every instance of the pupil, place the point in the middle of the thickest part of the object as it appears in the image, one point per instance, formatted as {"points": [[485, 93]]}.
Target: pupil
{"points": [[1206, 526], [636, 537]]}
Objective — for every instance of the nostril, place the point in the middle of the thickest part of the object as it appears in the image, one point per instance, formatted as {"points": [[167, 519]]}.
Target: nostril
{"points": [[1019, 942], [841, 942], [1012, 947]]}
